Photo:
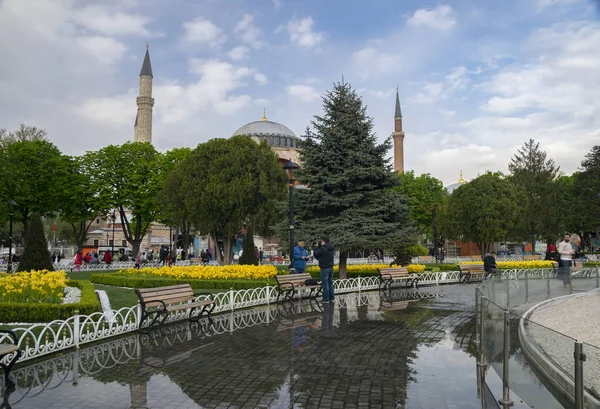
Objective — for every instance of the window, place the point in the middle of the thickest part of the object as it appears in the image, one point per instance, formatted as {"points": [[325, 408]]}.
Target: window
{"points": [[110, 243], [95, 242], [124, 243]]}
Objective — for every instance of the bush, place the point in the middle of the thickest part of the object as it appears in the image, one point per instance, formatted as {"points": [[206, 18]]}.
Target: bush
{"points": [[43, 312], [248, 256], [36, 255], [116, 279], [418, 250]]}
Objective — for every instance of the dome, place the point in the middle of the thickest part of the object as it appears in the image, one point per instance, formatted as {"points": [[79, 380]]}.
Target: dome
{"points": [[453, 187], [276, 135]]}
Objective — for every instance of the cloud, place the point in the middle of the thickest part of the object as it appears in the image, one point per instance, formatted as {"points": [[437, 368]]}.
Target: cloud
{"points": [[101, 19], [248, 32], [303, 92], [370, 61], [105, 49], [201, 30], [542, 4], [238, 53], [302, 34], [453, 82], [261, 79], [438, 18]]}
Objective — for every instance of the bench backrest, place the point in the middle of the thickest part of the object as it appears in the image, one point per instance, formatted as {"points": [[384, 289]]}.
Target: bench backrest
{"points": [[471, 267], [394, 271], [295, 279], [425, 258], [476, 258], [170, 295], [530, 257]]}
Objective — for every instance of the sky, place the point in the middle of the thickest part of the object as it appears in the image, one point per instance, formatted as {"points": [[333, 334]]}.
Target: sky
{"points": [[476, 79]]}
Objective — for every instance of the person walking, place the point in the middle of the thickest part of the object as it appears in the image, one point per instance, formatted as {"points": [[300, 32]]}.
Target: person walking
{"points": [[324, 253], [300, 257], [78, 261], [565, 249]]}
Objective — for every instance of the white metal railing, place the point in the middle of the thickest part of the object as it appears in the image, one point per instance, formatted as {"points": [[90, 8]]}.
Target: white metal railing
{"points": [[45, 338]]}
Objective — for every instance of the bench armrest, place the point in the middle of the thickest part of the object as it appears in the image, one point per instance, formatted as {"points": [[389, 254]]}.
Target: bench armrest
{"points": [[12, 334], [386, 274]]}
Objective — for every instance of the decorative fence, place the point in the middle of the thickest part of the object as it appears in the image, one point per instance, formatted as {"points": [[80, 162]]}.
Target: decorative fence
{"points": [[45, 338]]}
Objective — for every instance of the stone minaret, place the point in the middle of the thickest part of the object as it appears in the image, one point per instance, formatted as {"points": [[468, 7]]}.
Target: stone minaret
{"points": [[142, 130], [398, 136]]}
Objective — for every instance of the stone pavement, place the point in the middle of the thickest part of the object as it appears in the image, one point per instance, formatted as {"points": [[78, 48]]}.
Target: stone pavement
{"points": [[368, 351]]}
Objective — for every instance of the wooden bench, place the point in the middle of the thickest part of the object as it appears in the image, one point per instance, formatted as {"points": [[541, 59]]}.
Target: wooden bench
{"points": [[425, 258], [289, 285], [469, 270], [6, 349], [529, 257], [163, 300], [387, 276], [388, 305]]}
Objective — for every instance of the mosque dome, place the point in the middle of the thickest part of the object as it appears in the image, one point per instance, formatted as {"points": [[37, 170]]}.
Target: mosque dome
{"points": [[276, 134], [455, 186]]}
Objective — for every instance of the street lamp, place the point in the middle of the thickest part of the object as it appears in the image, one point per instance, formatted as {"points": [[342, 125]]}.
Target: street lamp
{"points": [[290, 167], [114, 218], [11, 207]]}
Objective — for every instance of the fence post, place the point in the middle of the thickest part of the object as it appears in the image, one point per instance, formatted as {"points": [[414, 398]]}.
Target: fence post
{"points": [[482, 306], [231, 298], [76, 328], [268, 294], [477, 315], [526, 287], [579, 359], [597, 277], [359, 282], [507, 293], [506, 401], [548, 286], [437, 278]]}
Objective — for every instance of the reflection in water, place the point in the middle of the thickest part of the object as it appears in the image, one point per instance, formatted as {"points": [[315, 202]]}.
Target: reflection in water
{"points": [[384, 349]]}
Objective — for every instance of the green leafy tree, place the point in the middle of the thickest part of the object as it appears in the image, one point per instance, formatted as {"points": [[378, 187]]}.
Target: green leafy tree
{"points": [[534, 174], [585, 201], [248, 256], [82, 203], [228, 182], [36, 255], [33, 173], [350, 198], [483, 211], [128, 177]]}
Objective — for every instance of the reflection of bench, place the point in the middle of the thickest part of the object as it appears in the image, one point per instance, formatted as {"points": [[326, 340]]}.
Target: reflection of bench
{"points": [[387, 277], [390, 305], [309, 320], [469, 270], [290, 284], [168, 299], [6, 349]]}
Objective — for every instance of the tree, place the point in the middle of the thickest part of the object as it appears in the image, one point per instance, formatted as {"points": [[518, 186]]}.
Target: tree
{"points": [[483, 211], [248, 256], [128, 177], [426, 196], [33, 173], [350, 197], [586, 194], [24, 133], [83, 203], [36, 255], [534, 174], [228, 182]]}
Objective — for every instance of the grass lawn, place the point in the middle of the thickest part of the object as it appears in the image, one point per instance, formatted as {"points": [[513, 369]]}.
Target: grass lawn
{"points": [[85, 275]]}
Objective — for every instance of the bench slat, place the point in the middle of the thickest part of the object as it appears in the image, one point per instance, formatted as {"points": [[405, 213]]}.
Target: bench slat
{"points": [[190, 305], [8, 348], [188, 294], [166, 293], [169, 288]]}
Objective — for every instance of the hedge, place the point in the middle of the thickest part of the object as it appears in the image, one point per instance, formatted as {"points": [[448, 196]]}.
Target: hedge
{"points": [[28, 312], [150, 282]]}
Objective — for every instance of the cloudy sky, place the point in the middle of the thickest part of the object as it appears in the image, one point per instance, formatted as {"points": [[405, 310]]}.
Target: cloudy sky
{"points": [[476, 78]]}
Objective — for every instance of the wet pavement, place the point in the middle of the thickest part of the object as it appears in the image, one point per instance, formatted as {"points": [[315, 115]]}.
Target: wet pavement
{"points": [[409, 349]]}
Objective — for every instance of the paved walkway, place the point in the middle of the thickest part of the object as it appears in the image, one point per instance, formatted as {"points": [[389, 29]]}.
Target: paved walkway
{"points": [[365, 351]]}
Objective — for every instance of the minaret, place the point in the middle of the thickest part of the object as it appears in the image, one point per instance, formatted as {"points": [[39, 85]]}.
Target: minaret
{"points": [[142, 130], [398, 136]]}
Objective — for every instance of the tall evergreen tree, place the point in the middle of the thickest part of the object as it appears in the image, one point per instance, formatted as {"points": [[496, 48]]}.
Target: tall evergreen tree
{"points": [[349, 197], [35, 255], [248, 256], [534, 174]]}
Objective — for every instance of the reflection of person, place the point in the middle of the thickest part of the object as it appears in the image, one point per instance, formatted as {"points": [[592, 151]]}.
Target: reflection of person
{"points": [[324, 253], [300, 257], [327, 325], [566, 259]]}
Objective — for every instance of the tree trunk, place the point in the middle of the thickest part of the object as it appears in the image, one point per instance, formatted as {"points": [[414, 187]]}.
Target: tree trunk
{"points": [[217, 250], [532, 242], [343, 264], [228, 250]]}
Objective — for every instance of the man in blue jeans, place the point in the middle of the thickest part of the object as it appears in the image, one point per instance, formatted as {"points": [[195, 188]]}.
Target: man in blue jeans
{"points": [[324, 253]]}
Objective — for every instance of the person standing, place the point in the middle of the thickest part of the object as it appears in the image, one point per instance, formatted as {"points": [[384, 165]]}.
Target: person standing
{"points": [[566, 259], [324, 253], [300, 257]]}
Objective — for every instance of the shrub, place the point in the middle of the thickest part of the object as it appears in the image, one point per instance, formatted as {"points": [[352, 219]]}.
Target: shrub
{"points": [[35, 255], [418, 250], [200, 272], [506, 265], [33, 286], [248, 256], [131, 281], [366, 269], [45, 312]]}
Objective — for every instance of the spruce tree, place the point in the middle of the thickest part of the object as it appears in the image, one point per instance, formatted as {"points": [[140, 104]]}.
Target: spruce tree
{"points": [[349, 198], [36, 255], [248, 256]]}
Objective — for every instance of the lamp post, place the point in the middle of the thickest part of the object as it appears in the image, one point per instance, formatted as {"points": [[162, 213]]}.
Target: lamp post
{"points": [[290, 167], [114, 218], [11, 207]]}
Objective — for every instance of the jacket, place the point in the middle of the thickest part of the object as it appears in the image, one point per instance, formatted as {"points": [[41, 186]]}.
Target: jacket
{"points": [[325, 255], [489, 263], [565, 249], [299, 262]]}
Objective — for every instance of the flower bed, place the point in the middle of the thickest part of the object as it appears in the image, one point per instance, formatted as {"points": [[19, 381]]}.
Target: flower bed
{"points": [[368, 269], [505, 265], [33, 287], [198, 272]]}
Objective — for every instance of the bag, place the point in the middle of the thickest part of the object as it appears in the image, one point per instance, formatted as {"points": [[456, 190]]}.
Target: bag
{"points": [[311, 281]]}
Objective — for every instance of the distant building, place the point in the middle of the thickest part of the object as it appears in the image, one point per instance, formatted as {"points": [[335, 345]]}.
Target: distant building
{"points": [[454, 186]]}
